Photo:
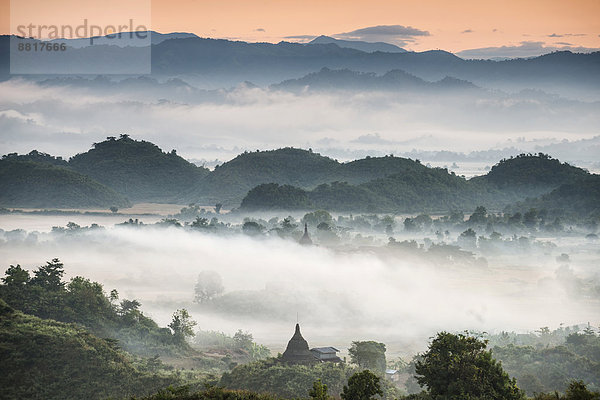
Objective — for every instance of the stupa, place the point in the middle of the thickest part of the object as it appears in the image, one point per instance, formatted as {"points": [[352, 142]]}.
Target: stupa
{"points": [[297, 351]]}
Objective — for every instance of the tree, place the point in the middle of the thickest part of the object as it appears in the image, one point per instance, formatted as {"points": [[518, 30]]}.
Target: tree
{"points": [[319, 391], [16, 276], [200, 222], [182, 324], [368, 355], [252, 228], [243, 339], [50, 275], [129, 306], [479, 216], [459, 367], [208, 286], [316, 217], [577, 390], [362, 386]]}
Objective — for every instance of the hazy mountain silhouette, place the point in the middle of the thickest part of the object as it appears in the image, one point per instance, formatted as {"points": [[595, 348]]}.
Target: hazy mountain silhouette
{"points": [[327, 79], [368, 47], [224, 63], [123, 39]]}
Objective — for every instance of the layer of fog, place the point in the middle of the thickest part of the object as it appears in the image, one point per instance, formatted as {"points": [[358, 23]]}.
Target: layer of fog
{"points": [[64, 119], [339, 296]]}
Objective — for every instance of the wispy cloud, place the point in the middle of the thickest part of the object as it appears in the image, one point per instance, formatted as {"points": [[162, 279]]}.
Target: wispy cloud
{"points": [[372, 138], [468, 31], [301, 38], [524, 50], [397, 34], [556, 35]]}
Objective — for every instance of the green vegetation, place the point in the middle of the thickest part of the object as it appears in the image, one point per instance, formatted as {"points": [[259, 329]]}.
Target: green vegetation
{"points": [[139, 170], [271, 196], [210, 393], [239, 348], [37, 157], [53, 360], [459, 366], [540, 368], [578, 199], [231, 181], [81, 301], [289, 179], [289, 381], [532, 173], [35, 184], [392, 184], [362, 385], [368, 355]]}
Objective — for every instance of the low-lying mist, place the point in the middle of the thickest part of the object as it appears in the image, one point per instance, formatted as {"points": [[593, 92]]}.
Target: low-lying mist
{"points": [[66, 117], [337, 295]]}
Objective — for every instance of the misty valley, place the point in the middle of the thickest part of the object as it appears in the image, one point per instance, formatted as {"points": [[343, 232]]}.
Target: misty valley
{"points": [[273, 216], [195, 295]]}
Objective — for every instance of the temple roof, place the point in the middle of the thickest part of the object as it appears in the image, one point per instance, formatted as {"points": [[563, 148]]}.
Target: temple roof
{"points": [[305, 239], [297, 349]]}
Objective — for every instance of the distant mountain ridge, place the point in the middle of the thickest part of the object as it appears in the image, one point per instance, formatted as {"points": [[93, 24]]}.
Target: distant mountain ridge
{"points": [[368, 47], [124, 39], [327, 80], [222, 63]]}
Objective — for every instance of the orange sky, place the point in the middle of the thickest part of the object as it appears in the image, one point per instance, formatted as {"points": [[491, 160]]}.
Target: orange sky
{"points": [[491, 23]]}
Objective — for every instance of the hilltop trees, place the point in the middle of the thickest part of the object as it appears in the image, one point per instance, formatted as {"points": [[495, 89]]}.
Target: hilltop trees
{"points": [[459, 367], [362, 386], [182, 325], [84, 302], [368, 355], [319, 391]]}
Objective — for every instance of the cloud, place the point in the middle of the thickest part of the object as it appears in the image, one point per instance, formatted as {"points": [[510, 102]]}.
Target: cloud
{"points": [[259, 30], [397, 34], [301, 38], [65, 120], [467, 31], [564, 43], [556, 35], [524, 50], [371, 138], [397, 299]]}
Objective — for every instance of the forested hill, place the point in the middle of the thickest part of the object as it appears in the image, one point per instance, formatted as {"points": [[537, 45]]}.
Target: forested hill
{"points": [[139, 170], [42, 184], [577, 199], [118, 169], [43, 358], [531, 175], [407, 186], [231, 181]]}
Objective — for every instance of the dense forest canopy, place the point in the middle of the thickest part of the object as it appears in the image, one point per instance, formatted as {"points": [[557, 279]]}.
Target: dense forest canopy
{"points": [[123, 169]]}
